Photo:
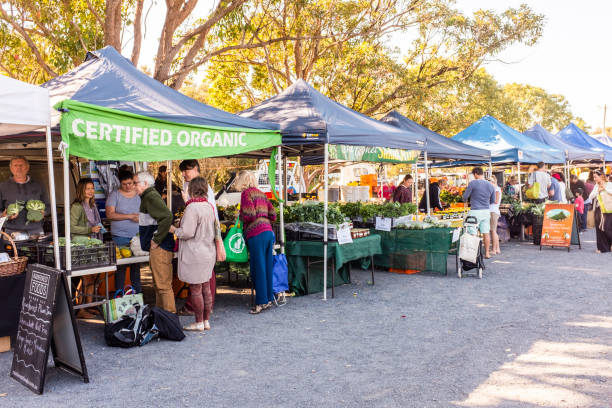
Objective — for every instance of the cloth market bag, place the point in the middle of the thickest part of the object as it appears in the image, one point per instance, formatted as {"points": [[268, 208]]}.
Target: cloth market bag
{"points": [[468, 248], [533, 192], [605, 202], [123, 304], [235, 245], [280, 274]]}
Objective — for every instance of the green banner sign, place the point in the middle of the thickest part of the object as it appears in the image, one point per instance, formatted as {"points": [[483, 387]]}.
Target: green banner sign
{"points": [[99, 133], [372, 154]]}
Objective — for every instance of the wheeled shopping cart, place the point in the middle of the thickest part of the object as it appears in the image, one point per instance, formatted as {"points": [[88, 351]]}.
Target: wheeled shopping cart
{"points": [[471, 255]]}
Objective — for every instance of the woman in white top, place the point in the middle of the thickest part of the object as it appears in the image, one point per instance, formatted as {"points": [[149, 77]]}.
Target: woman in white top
{"points": [[494, 209], [603, 222]]}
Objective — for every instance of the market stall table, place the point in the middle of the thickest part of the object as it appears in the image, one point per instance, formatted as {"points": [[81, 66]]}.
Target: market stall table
{"points": [[299, 254], [11, 292], [412, 249]]}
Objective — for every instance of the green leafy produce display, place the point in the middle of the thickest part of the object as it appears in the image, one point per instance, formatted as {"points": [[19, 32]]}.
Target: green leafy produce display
{"points": [[313, 212], [81, 241], [368, 211], [15, 208]]}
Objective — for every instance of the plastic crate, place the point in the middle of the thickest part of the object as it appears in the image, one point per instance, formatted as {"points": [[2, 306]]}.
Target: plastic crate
{"points": [[82, 257]]}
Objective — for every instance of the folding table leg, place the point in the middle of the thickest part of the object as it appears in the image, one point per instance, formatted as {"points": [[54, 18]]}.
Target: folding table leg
{"points": [[372, 267], [333, 272], [308, 275]]}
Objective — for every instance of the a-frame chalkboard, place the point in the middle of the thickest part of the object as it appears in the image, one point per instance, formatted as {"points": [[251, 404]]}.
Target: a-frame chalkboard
{"points": [[46, 320]]}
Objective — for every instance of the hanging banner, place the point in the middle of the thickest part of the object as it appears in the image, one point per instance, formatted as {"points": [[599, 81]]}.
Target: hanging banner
{"points": [[372, 154], [557, 225], [99, 133]]}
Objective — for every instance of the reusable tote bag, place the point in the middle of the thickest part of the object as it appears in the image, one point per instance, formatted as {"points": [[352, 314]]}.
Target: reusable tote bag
{"points": [[605, 202], [121, 304], [235, 246], [280, 274], [533, 192]]}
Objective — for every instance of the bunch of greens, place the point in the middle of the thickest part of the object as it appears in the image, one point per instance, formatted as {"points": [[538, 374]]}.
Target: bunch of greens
{"points": [[81, 242], [313, 212], [36, 210], [368, 211], [15, 208]]}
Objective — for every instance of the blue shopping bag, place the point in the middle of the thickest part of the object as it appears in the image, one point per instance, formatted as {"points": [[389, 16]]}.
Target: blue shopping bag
{"points": [[280, 274]]}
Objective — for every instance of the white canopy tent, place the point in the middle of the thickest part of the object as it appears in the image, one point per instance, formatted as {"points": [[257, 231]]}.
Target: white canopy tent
{"points": [[25, 107]]}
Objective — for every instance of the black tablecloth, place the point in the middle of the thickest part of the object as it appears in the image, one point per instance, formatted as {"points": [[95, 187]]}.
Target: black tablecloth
{"points": [[11, 292]]}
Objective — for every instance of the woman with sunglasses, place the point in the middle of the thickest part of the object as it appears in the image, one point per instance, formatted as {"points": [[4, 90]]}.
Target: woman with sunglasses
{"points": [[123, 208], [603, 221]]}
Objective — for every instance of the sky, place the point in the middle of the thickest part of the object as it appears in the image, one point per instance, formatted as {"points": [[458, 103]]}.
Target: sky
{"points": [[573, 58]]}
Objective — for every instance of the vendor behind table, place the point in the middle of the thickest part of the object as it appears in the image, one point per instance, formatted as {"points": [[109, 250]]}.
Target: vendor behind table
{"points": [[17, 192]]}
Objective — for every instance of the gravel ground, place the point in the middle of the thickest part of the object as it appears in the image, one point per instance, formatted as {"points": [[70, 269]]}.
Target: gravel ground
{"points": [[536, 331]]}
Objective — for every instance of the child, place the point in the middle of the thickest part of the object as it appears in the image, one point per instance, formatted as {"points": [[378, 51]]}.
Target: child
{"points": [[579, 202]]}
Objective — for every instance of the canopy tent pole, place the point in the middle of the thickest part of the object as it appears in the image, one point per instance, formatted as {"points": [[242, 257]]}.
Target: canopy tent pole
{"points": [[66, 167], [169, 184], [281, 204], [325, 198], [427, 184], [56, 251], [299, 164], [415, 184], [490, 168], [518, 169]]}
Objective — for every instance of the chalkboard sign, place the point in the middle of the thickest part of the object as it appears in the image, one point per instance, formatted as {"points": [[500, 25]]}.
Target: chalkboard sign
{"points": [[46, 320]]}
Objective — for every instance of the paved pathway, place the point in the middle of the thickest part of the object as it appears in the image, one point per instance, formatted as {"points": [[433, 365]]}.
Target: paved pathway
{"points": [[535, 332]]}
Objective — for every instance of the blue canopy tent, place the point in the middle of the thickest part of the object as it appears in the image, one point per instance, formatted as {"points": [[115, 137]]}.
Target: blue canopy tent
{"points": [[307, 118], [506, 144], [310, 122], [438, 146], [109, 80], [573, 152], [578, 137]]}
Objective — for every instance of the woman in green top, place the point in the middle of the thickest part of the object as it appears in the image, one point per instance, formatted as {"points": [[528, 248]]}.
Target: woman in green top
{"points": [[85, 221]]}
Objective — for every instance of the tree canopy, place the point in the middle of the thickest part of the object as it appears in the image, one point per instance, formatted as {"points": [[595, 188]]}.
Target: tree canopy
{"points": [[248, 50]]}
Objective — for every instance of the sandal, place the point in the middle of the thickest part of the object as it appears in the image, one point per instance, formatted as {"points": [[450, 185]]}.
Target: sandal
{"points": [[257, 309], [194, 327], [183, 311]]}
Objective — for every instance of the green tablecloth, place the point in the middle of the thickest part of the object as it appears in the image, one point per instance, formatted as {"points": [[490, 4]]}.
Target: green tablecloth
{"points": [[298, 251], [421, 250]]}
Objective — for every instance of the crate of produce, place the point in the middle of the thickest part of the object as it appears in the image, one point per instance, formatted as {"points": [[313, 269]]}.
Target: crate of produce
{"points": [[84, 255]]}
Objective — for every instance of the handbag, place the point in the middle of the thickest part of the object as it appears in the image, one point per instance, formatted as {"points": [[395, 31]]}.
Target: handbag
{"points": [[218, 240], [533, 192], [605, 202], [122, 304], [235, 246]]}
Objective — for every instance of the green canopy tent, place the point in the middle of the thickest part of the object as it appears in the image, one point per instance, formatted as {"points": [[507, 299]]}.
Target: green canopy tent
{"points": [[99, 133]]}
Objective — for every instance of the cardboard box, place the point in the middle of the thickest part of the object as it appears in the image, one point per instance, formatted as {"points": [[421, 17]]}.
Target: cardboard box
{"points": [[5, 344]]}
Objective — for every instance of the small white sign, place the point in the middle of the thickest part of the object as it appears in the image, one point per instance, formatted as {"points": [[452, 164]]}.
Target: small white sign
{"points": [[383, 224], [2, 221], [456, 234], [343, 235]]}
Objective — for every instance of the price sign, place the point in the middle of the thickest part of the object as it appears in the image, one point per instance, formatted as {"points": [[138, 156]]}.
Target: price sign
{"points": [[456, 234], [383, 224], [344, 235]]}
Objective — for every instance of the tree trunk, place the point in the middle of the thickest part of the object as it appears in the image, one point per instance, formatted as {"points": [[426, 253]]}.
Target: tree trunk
{"points": [[112, 24], [137, 32]]}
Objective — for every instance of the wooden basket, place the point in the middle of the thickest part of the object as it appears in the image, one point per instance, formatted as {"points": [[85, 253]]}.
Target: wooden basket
{"points": [[16, 265]]}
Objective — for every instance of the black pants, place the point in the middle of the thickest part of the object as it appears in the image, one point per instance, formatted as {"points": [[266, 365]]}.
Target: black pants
{"points": [[604, 237]]}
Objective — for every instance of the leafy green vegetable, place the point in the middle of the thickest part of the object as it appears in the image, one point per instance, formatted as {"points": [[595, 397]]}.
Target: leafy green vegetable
{"points": [[14, 209], [35, 205], [35, 216], [313, 212]]}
